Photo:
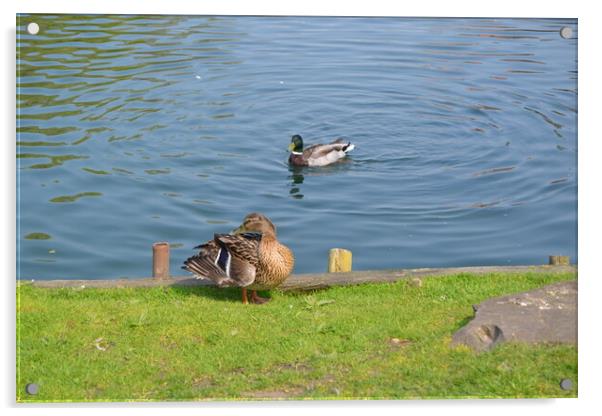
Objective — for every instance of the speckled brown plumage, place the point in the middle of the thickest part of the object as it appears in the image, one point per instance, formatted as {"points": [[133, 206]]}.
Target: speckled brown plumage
{"points": [[276, 263], [251, 257]]}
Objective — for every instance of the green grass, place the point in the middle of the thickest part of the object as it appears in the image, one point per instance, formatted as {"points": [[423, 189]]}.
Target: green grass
{"points": [[170, 343]]}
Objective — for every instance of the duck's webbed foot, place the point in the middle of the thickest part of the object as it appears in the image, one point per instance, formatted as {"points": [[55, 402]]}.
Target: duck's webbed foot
{"points": [[258, 299]]}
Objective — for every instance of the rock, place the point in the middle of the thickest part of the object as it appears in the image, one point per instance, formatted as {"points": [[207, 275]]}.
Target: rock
{"points": [[544, 315]]}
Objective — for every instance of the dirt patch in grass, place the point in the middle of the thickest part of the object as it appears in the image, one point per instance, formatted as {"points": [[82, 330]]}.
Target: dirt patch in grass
{"points": [[299, 367], [284, 394], [397, 343], [202, 382]]}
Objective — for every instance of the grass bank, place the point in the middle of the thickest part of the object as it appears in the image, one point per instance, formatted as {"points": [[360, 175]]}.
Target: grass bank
{"points": [[384, 341]]}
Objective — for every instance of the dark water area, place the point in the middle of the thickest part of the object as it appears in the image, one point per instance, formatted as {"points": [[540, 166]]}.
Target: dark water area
{"points": [[137, 129]]}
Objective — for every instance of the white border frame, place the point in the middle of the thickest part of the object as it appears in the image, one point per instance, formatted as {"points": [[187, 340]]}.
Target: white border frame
{"points": [[588, 191]]}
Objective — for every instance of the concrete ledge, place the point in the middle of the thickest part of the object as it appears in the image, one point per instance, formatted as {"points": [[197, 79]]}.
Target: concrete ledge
{"points": [[316, 280]]}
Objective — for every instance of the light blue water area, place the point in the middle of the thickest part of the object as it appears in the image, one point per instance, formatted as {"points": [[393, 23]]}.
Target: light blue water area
{"points": [[137, 129]]}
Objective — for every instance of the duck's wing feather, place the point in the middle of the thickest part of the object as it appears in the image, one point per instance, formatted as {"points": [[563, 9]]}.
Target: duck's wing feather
{"points": [[325, 154], [228, 260], [320, 150], [310, 149], [204, 264], [245, 246]]}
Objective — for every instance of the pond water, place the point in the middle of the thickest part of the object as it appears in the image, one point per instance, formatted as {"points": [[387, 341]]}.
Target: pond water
{"points": [[137, 129]]}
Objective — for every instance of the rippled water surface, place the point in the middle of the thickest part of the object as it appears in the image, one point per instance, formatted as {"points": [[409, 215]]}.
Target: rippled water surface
{"points": [[136, 129]]}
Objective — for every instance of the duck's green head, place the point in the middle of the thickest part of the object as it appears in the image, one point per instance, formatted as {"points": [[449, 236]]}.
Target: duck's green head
{"points": [[296, 144]]}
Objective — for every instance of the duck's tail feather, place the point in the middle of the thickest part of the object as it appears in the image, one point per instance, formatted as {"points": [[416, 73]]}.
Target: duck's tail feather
{"points": [[350, 146], [212, 262], [204, 267]]}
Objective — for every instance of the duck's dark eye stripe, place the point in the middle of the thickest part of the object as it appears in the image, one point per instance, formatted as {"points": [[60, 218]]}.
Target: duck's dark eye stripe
{"points": [[252, 235]]}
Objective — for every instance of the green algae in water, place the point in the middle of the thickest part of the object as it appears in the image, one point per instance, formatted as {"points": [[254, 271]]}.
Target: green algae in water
{"points": [[37, 236], [98, 129], [40, 143], [157, 171], [54, 160], [202, 201], [217, 222], [123, 171], [82, 140], [96, 172], [73, 198], [51, 131], [154, 127], [175, 155]]}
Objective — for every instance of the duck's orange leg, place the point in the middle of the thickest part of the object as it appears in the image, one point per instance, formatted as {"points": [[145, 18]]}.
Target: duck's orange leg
{"points": [[245, 301]]}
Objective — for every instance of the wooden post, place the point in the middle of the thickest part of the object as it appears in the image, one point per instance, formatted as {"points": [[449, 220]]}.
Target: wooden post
{"points": [[161, 261], [339, 260], [559, 260]]}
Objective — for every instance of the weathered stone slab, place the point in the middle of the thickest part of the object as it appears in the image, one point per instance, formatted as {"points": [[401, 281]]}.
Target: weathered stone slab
{"points": [[544, 315]]}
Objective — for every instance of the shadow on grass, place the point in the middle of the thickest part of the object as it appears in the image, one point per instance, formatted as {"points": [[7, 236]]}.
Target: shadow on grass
{"points": [[230, 294], [194, 287], [226, 294]]}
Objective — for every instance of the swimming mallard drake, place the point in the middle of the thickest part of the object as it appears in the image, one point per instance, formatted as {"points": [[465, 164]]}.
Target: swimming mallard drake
{"points": [[251, 257], [317, 154]]}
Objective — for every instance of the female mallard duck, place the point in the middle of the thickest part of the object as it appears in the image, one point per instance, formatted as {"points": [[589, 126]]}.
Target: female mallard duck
{"points": [[251, 257], [317, 154]]}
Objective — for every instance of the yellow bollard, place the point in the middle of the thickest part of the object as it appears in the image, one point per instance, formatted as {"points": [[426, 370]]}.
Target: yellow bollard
{"points": [[559, 260], [339, 260]]}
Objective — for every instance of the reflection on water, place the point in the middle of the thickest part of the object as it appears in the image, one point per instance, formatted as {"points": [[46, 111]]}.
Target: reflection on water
{"points": [[136, 129], [298, 174], [296, 178]]}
